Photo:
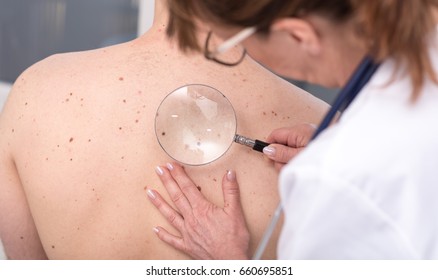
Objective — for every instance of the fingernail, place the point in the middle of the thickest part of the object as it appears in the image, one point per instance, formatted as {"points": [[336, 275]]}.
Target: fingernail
{"points": [[156, 230], [151, 194], [269, 151], [231, 175], [169, 166], [159, 170]]}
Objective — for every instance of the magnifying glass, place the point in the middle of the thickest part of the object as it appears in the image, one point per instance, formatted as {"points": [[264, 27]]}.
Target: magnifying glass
{"points": [[196, 124]]}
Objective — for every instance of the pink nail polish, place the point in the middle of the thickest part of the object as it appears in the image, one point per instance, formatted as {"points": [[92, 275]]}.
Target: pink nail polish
{"points": [[159, 170], [151, 194], [169, 166]]}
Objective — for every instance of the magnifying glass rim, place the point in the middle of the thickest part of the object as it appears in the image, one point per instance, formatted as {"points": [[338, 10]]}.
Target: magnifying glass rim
{"points": [[202, 85]]}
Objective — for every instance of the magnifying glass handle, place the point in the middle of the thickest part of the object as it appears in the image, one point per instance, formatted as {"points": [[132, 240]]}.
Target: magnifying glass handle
{"points": [[256, 145]]}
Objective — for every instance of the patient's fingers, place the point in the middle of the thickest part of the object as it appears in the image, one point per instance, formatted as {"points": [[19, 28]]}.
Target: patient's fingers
{"points": [[166, 210], [175, 193]]}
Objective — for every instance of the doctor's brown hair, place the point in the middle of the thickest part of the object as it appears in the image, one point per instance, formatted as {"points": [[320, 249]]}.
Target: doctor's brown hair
{"points": [[400, 29]]}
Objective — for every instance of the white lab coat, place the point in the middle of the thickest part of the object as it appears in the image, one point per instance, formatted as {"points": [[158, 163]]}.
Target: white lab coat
{"points": [[367, 188]]}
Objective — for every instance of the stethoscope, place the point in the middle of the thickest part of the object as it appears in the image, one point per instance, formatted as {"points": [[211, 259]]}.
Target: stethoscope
{"points": [[357, 81]]}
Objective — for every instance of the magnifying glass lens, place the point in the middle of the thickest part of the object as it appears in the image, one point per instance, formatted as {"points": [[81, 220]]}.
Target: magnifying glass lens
{"points": [[195, 124]]}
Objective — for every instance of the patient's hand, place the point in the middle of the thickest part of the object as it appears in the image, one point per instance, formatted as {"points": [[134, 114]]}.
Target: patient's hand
{"points": [[207, 231], [287, 142]]}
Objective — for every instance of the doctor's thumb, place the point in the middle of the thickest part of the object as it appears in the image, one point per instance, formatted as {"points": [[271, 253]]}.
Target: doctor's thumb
{"points": [[230, 189], [280, 153]]}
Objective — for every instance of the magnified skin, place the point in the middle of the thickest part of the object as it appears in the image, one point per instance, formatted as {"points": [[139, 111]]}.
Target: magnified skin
{"points": [[195, 124]]}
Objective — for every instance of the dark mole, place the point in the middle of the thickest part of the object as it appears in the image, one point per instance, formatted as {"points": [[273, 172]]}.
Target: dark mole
{"points": [[25, 104], [121, 79], [122, 157], [120, 128], [214, 179], [163, 133], [136, 121], [53, 246], [93, 189], [71, 139], [124, 100], [89, 140], [71, 93], [21, 237], [57, 146], [199, 188]]}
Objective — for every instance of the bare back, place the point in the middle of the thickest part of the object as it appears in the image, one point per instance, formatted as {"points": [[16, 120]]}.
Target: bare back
{"points": [[78, 148]]}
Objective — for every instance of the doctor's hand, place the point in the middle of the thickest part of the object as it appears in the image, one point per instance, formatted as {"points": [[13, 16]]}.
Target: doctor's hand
{"points": [[287, 142], [206, 230]]}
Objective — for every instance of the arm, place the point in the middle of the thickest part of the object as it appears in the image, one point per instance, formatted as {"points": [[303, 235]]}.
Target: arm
{"points": [[207, 231], [17, 228]]}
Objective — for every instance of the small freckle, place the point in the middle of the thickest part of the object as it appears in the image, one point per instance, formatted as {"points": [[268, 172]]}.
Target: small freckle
{"points": [[122, 157], [136, 121], [145, 188], [244, 80], [67, 100], [71, 159], [71, 93], [124, 100], [93, 189], [121, 78], [82, 99], [198, 143], [214, 179], [13, 130], [138, 112], [25, 104], [89, 140], [21, 237], [53, 246], [77, 228], [71, 139], [47, 158], [264, 113], [57, 146]]}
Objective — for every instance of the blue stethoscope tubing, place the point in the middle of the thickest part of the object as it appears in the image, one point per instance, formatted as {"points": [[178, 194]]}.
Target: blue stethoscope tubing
{"points": [[357, 81]]}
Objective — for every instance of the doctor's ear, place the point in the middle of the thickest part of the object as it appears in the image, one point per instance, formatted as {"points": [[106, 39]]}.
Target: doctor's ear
{"points": [[301, 31]]}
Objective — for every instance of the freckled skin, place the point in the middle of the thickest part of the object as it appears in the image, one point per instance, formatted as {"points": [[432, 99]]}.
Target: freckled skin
{"points": [[73, 173]]}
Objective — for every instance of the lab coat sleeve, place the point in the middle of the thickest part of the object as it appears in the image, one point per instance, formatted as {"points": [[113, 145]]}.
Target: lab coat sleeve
{"points": [[328, 218]]}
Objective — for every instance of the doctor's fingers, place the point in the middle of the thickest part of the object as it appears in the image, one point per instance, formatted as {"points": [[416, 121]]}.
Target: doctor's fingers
{"points": [[280, 154], [174, 190], [186, 185], [172, 216], [296, 136]]}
